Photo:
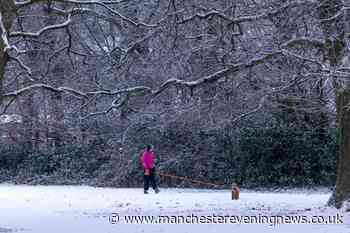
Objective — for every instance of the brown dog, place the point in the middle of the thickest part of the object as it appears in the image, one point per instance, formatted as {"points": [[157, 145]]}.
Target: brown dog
{"points": [[235, 191]]}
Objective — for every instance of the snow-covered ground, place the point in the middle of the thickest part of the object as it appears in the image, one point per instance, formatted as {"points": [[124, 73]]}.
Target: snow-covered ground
{"points": [[80, 209]]}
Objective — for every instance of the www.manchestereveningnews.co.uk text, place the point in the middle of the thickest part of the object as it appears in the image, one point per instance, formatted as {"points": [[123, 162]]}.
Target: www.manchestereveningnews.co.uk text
{"points": [[115, 218]]}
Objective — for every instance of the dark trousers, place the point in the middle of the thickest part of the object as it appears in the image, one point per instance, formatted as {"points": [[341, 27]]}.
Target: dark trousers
{"points": [[150, 179]]}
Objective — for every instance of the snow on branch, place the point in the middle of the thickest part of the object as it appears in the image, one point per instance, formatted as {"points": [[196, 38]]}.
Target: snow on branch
{"points": [[78, 93], [302, 41], [104, 4], [246, 114], [4, 34], [29, 2], [144, 90], [292, 83], [306, 59], [231, 69], [22, 65], [241, 19], [217, 75], [21, 91], [335, 16], [43, 30], [171, 82], [117, 103], [7, 48], [81, 10], [130, 90], [191, 84]]}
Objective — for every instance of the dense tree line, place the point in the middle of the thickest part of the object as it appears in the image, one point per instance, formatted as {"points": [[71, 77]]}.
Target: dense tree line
{"points": [[276, 154]]}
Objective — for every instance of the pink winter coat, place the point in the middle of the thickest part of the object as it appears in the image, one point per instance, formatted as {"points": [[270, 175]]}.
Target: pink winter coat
{"points": [[148, 158]]}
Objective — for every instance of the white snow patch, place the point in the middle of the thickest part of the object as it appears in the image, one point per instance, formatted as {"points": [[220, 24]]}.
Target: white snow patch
{"points": [[13, 118], [78, 209]]}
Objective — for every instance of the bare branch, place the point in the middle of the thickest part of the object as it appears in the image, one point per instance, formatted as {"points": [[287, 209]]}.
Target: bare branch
{"points": [[22, 65], [43, 30], [7, 105], [144, 90], [131, 90], [336, 16], [242, 19], [218, 75], [264, 97], [117, 103], [320, 64], [44, 86], [8, 47], [4, 34], [100, 3], [29, 2], [302, 41], [244, 115]]}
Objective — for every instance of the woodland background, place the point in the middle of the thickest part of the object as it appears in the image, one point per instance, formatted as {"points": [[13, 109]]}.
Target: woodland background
{"points": [[228, 90]]}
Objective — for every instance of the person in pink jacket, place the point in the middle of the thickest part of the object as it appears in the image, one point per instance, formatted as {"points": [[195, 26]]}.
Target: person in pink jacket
{"points": [[148, 160]]}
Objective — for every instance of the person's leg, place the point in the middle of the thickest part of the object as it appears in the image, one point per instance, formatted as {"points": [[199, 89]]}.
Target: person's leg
{"points": [[146, 183], [153, 180]]}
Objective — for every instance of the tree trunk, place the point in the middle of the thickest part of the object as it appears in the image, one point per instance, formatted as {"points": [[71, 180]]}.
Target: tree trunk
{"points": [[29, 113], [7, 14], [3, 61], [57, 126], [334, 53], [342, 192], [57, 129]]}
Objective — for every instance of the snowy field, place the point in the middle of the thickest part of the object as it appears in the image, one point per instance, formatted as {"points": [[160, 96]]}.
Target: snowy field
{"points": [[80, 209]]}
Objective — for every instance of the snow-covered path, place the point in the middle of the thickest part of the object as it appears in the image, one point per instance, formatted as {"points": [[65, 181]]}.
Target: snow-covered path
{"points": [[78, 209]]}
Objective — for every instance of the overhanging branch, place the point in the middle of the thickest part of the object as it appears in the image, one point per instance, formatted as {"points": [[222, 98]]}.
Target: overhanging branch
{"points": [[43, 30], [242, 19], [144, 90]]}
